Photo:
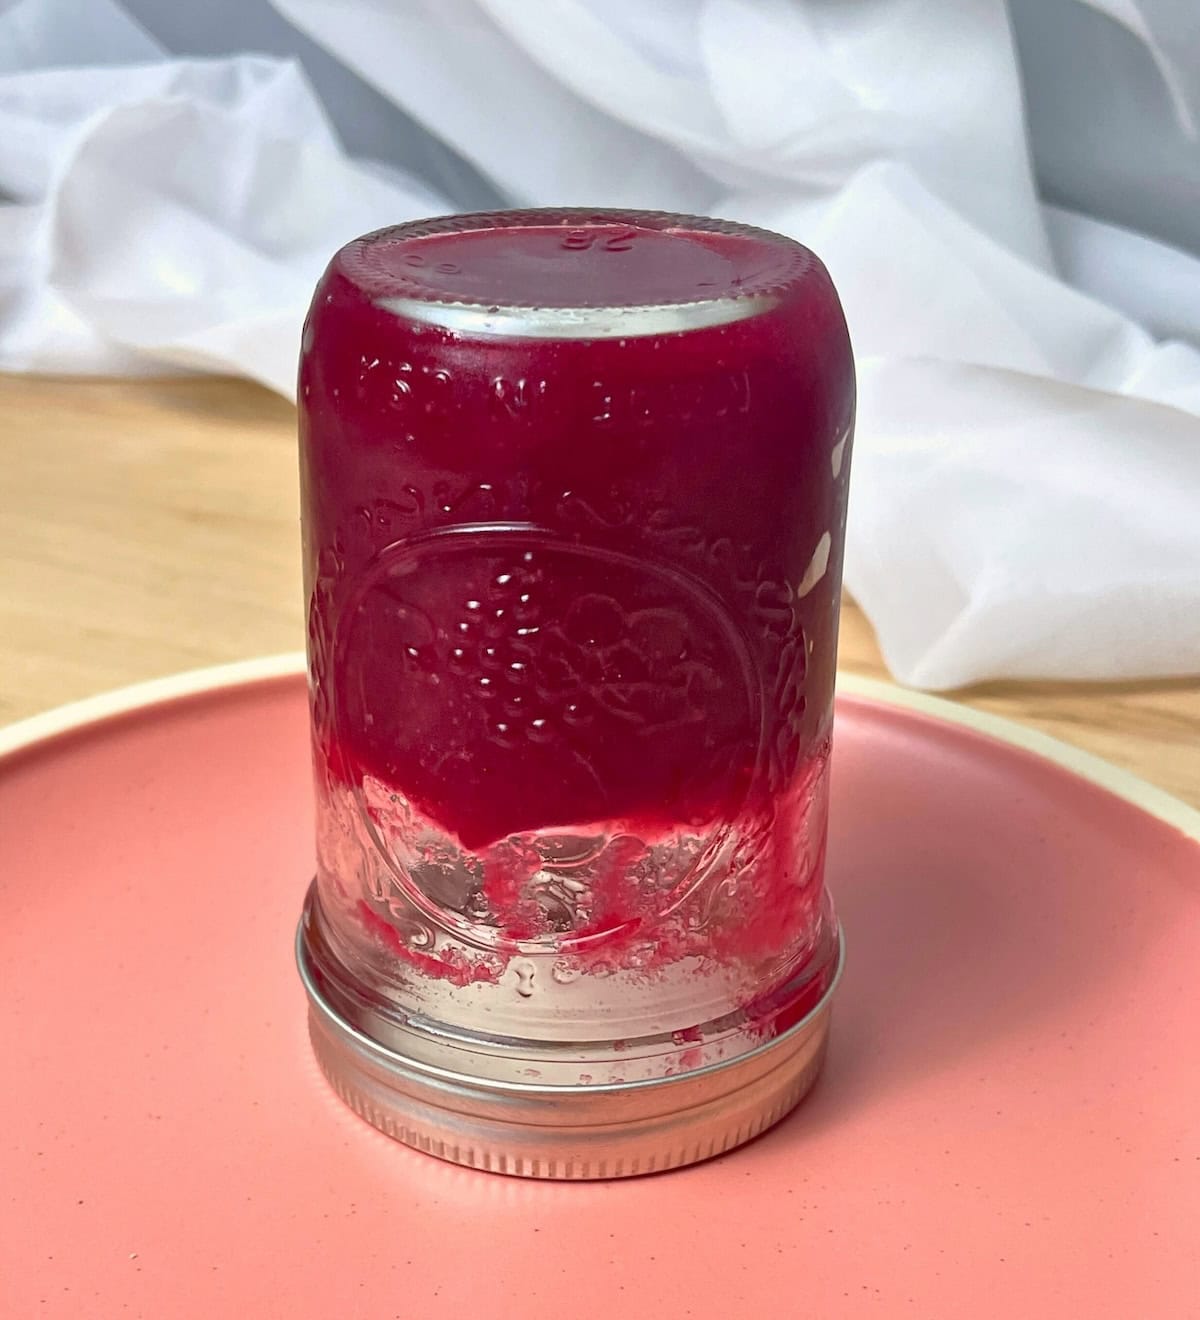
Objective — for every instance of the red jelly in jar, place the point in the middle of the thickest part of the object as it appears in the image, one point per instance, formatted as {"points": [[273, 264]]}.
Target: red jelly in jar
{"points": [[574, 499]]}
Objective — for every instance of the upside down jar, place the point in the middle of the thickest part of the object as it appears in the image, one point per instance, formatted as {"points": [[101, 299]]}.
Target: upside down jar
{"points": [[574, 496]]}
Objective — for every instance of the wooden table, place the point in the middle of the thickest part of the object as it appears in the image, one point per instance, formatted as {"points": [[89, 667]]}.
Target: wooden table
{"points": [[150, 526]]}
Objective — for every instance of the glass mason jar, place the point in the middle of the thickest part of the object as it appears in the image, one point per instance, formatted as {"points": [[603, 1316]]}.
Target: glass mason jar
{"points": [[574, 498]]}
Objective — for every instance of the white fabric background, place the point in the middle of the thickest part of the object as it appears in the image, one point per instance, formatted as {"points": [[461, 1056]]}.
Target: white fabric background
{"points": [[1026, 496]]}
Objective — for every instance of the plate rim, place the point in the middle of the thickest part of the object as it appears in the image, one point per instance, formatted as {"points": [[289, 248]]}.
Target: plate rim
{"points": [[75, 716]]}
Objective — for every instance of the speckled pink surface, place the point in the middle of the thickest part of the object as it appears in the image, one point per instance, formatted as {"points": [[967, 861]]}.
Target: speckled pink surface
{"points": [[1007, 1125]]}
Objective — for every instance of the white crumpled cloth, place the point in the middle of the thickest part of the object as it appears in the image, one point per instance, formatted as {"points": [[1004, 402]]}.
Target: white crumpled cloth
{"points": [[1026, 495]]}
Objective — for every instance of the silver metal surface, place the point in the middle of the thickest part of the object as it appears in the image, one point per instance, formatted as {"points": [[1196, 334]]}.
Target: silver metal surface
{"points": [[568, 1132]]}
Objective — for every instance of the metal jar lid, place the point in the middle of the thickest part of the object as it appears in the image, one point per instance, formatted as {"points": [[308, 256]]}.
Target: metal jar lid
{"points": [[614, 1130]]}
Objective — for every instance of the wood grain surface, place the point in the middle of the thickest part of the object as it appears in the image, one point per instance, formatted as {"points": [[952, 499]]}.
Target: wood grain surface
{"points": [[148, 526]]}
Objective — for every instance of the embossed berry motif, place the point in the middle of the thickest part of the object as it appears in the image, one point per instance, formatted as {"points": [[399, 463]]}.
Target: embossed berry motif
{"points": [[485, 621], [606, 676], [767, 602]]}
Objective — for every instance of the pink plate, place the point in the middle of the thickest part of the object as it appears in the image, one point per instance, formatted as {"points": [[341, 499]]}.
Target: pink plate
{"points": [[1008, 1124]]}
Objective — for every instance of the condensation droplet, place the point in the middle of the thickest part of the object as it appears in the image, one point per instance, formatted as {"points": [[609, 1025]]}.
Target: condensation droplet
{"points": [[524, 971]]}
